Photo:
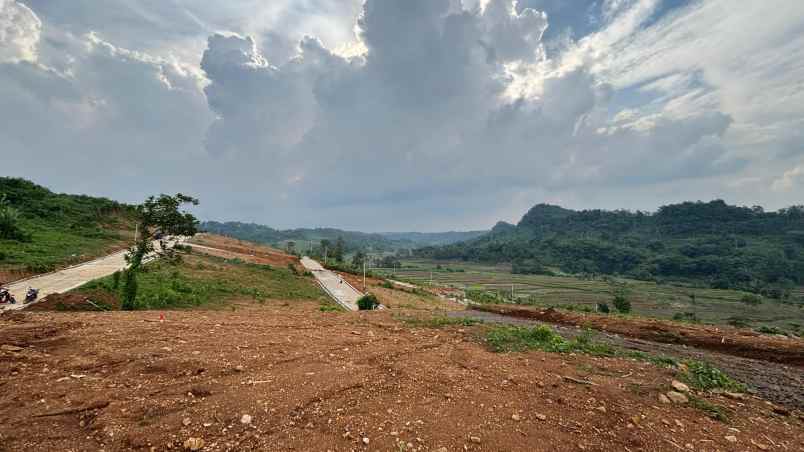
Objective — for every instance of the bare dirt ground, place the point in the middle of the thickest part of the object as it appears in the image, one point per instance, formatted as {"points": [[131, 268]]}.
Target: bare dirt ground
{"points": [[778, 383], [286, 377], [733, 341], [232, 248]]}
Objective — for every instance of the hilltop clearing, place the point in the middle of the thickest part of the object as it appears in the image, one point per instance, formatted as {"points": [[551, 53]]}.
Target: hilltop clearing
{"points": [[235, 354]]}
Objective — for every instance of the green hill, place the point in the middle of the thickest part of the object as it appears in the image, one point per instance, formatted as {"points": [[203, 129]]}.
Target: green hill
{"points": [[707, 244], [354, 241], [55, 230]]}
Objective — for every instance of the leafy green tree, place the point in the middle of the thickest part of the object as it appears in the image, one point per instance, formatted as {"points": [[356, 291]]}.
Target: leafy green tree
{"points": [[9, 221], [157, 218], [339, 249], [358, 259]]}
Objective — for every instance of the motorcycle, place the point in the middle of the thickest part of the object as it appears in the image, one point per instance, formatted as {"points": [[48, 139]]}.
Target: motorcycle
{"points": [[6, 297], [32, 295]]}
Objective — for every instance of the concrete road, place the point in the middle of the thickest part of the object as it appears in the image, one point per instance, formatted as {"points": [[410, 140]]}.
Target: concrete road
{"points": [[337, 288], [69, 278]]}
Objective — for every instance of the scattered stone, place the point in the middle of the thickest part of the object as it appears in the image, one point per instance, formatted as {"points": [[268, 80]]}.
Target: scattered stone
{"points": [[186, 421], [601, 408], [781, 411], [541, 417], [760, 446], [679, 423], [442, 449], [10, 348], [734, 395], [366, 441], [194, 444], [240, 369], [663, 399], [679, 386], [516, 417], [475, 439], [246, 419], [677, 397], [731, 439]]}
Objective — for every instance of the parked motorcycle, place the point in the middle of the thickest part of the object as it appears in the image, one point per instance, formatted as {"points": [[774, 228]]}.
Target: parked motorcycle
{"points": [[32, 295], [6, 297]]}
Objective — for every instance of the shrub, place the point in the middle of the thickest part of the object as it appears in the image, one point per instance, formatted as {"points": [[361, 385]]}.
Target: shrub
{"points": [[705, 377], [751, 299], [368, 302], [772, 330], [685, 317], [621, 303], [603, 308]]}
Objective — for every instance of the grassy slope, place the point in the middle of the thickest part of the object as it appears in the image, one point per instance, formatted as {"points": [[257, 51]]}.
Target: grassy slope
{"points": [[210, 281], [61, 229]]}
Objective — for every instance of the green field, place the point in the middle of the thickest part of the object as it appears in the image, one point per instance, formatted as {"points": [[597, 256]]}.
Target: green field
{"points": [[714, 306]]}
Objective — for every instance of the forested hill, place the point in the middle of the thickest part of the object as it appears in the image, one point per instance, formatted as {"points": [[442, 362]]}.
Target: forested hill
{"points": [[711, 243], [353, 241]]}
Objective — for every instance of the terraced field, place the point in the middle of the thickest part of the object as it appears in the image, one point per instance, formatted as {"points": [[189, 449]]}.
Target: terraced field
{"points": [[648, 299]]}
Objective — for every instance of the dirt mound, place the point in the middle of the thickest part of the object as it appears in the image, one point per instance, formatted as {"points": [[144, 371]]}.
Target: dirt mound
{"points": [[727, 340], [78, 301], [230, 248]]}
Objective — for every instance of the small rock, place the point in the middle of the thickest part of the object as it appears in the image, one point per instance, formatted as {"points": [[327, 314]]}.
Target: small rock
{"points": [[663, 399], [194, 444], [10, 348], [677, 397], [734, 395], [679, 423], [541, 417], [601, 408], [246, 419], [240, 369], [731, 439], [475, 439], [186, 421], [516, 417], [366, 441], [679, 386], [442, 449]]}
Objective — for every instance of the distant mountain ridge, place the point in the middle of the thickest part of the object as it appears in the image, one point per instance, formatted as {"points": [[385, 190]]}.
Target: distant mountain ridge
{"points": [[390, 241], [709, 243]]}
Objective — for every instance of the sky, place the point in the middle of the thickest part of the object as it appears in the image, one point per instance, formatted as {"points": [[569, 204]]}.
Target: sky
{"points": [[388, 115]]}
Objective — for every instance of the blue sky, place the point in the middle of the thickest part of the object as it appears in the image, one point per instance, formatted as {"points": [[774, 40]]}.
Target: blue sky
{"points": [[417, 115]]}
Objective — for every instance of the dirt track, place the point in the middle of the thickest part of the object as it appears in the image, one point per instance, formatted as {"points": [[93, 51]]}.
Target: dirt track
{"points": [[732, 341], [324, 381]]}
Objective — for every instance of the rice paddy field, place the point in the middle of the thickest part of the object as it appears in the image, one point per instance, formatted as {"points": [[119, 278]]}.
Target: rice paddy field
{"points": [[648, 299]]}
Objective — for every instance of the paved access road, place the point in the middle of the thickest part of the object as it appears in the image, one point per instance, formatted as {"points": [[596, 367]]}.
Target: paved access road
{"points": [[69, 278], [337, 288]]}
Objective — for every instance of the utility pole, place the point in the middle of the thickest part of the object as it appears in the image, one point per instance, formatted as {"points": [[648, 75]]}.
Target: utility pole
{"points": [[364, 275]]}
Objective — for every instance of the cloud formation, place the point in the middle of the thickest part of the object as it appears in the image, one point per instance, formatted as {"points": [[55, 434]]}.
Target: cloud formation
{"points": [[414, 114], [19, 32]]}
